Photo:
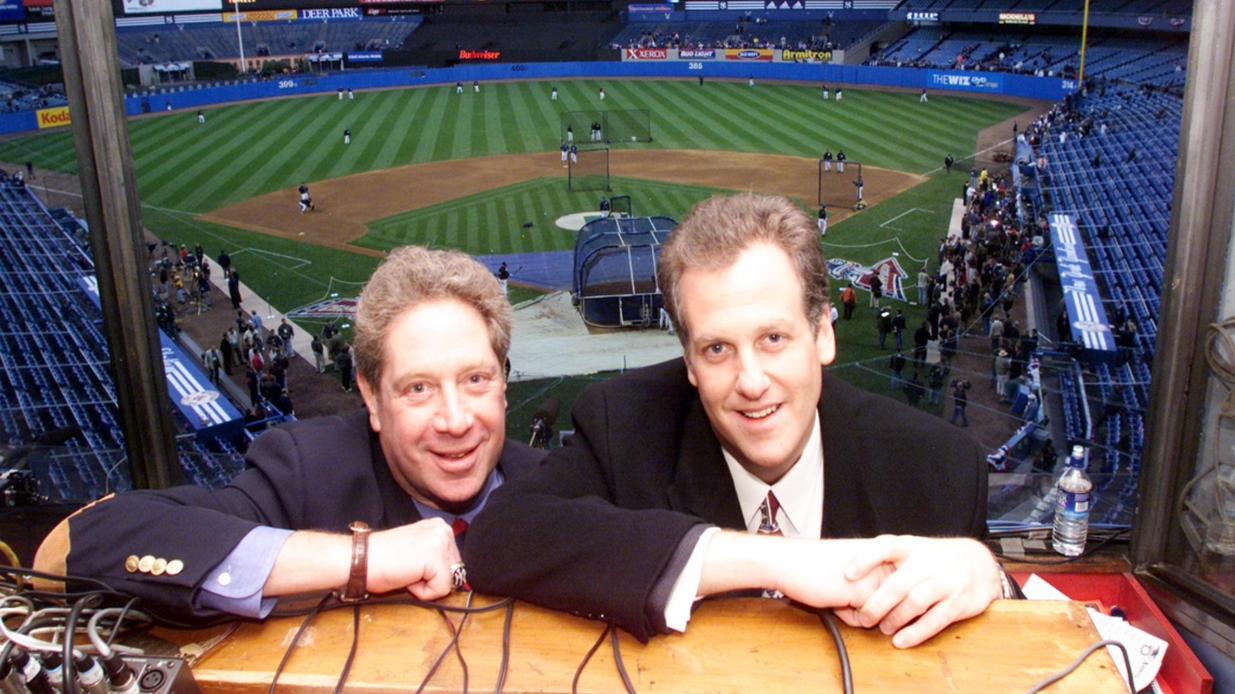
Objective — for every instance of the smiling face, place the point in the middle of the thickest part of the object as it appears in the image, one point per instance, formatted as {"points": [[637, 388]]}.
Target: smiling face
{"points": [[440, 406], [755, 357]]}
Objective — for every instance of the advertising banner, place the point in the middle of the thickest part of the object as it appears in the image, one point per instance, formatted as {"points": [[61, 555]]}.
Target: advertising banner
{"points": [[331, 13], [749, 54], [479, 55], [260, 16], [12, 10], [650, 9], [968, 81], [645, 54], [365, 57], [807, 56], [170, 6], [1086, 315], [1018, 18], [53, 117], [696, 54]]}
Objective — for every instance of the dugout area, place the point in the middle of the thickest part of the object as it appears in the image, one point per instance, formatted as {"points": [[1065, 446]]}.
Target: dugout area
{"points": [[614, 273]]}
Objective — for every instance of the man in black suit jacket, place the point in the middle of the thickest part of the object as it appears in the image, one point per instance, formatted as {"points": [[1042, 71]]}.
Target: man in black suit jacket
{"points": [[405, 476], [746, 433]]}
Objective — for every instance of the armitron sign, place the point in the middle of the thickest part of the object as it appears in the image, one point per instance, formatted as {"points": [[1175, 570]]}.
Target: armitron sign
{"points": [[53, 117]]}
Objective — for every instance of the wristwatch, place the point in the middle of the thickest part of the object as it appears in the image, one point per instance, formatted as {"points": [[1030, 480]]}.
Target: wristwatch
{"points": [[358, 577]]}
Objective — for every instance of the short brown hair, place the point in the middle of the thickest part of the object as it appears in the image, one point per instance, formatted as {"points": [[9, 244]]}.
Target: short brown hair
{"points": [[413, 275], [717, 230]]}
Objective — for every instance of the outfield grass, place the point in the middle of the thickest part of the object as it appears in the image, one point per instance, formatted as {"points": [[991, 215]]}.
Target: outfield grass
{"points": [[249, 149], [492, 221]]}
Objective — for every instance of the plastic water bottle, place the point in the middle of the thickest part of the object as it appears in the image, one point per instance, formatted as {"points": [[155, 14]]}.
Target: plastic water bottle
{"points": [[1072, 507]]}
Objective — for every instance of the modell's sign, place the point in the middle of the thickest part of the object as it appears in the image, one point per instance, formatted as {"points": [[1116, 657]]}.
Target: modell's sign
{"points": [[647, 53], [806, 56], [922, 17], [1018, 18], [53, 117], [695, 54], [479, 55], [748, 54]]}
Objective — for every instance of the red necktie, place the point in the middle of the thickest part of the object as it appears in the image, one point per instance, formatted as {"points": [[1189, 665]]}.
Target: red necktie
{"points": [[459, 526]]}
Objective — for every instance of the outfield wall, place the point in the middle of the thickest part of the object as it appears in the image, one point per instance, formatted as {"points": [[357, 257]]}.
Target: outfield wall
{"points": [[969, 82]]}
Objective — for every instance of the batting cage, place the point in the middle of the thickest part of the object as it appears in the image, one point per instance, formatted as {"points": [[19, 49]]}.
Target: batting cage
{"points": [[621, 206], [631, 125], [615, 270], [589, 170], [839, 188]]}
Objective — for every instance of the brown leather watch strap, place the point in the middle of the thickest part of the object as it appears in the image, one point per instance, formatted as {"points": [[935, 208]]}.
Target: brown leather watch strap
{"points": [[358, 577]]}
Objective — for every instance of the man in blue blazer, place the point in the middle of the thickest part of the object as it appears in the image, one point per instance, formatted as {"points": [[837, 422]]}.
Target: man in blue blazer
{"points": [[371, 502]]}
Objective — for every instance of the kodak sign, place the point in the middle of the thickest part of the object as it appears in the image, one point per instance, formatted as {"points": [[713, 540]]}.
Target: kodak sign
{"points": [[53, 117]]}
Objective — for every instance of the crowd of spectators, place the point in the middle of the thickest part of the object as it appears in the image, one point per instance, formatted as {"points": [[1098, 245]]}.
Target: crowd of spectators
{"points": [[750, 31], [19, 97]]}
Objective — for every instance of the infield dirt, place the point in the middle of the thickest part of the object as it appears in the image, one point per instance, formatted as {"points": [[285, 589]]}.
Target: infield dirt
{"points": [[345, 205]]}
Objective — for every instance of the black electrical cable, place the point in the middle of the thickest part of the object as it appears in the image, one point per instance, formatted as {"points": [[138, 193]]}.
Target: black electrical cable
{"points": [[1080, 659], [120, 621], [442, 609], [501, 675], [287, 655], [351, 654], [455, 640], [574, 685], [829, 621], [617, 659], [70, 627]]}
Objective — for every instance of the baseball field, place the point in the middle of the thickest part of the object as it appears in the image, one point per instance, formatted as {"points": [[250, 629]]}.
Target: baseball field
{"points": [[482, 172]]}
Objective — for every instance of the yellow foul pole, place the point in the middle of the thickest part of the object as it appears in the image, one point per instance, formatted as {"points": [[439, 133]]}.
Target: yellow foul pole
{"points": [[1084, 37]]}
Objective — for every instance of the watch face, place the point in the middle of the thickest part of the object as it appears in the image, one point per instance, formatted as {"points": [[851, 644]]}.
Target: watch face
{"points": [[359, 527]]}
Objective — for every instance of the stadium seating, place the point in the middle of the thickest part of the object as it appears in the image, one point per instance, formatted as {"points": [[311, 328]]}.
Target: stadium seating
{"points": [[138, 45], [18, 97], [55, 381], [1118, 185], [805, 34], [1144, 60]]}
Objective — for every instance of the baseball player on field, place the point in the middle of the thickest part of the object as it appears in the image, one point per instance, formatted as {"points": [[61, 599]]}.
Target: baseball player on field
{"points": [[827, 160], [306, 203], [565, 151], [347, 136], [840, 161], [823, 221], [574, 154], [201, 116]]}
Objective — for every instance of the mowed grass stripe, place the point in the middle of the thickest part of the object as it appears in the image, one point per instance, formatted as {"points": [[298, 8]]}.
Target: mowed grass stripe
{"points": [[226, 133], [918, 141], [270, 162], [176, 165], [666, 132], [795, 135], [218, 164], [378, 133], [720, 123]]}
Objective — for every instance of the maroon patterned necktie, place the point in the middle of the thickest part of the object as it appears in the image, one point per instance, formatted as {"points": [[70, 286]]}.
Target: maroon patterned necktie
{"points": [[767, 515]]}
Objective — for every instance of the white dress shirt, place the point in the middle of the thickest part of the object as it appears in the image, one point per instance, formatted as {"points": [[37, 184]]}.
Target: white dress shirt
{"points": [[800, 493]]}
